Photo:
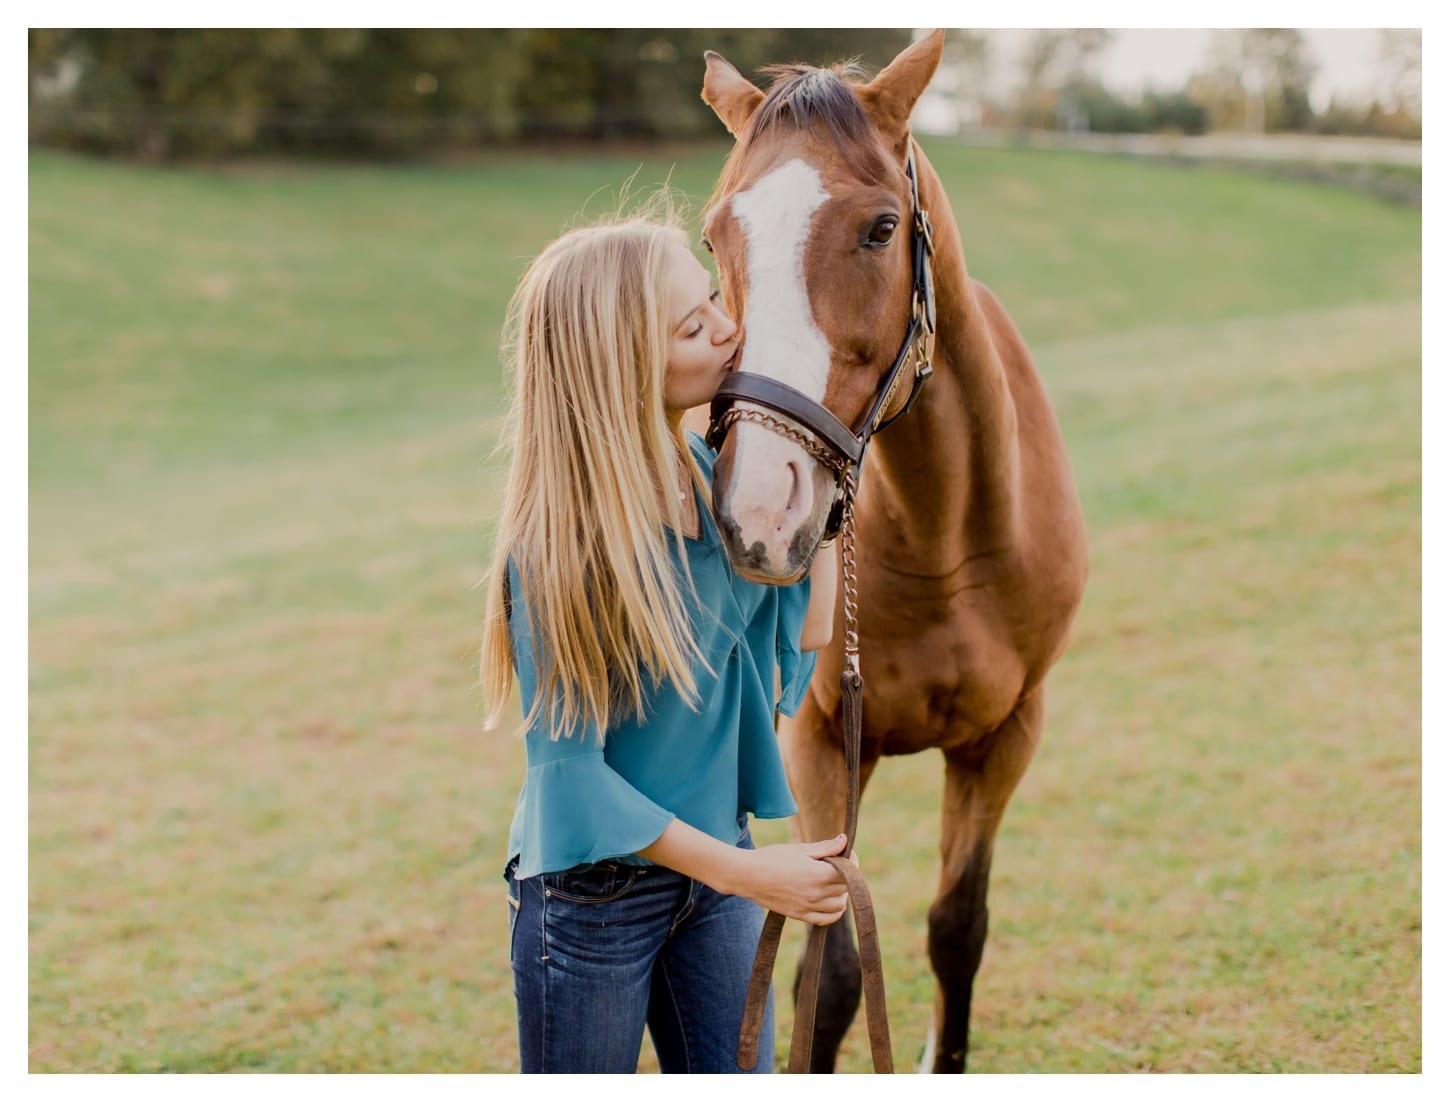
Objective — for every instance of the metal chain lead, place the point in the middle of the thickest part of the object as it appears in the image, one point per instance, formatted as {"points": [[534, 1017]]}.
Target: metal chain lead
{"points": [[834, 462], [848, 572], [818, 451]]}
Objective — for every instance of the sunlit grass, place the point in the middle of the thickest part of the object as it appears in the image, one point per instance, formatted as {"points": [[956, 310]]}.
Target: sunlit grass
{"points": [[267, 831]]}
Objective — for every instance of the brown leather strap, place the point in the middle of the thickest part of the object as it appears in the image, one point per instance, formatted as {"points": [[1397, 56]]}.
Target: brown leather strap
{"points": [[773, 394], [805, 1002], [877, 1028], [873, 982], [748, 1051]]}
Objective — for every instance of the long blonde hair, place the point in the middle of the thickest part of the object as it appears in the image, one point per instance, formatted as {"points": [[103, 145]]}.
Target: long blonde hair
{"points": [[585, 515]]}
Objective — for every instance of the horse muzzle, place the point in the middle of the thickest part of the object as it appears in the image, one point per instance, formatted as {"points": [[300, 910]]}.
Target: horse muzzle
{"points": [[771, 504]]}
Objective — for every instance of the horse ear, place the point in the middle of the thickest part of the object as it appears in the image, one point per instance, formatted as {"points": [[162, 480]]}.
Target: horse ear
{"points": [[891, 96], [731, 96]]}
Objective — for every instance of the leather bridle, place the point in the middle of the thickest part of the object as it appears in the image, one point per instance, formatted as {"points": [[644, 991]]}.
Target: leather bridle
{"points": [[843, 451], [837, 447]]}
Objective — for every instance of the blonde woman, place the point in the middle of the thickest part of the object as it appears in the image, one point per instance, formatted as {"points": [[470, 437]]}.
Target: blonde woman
{"points": [[648, 671]]}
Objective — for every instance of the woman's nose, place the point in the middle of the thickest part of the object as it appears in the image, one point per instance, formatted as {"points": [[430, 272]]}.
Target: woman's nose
{"points": [[727, 329]]}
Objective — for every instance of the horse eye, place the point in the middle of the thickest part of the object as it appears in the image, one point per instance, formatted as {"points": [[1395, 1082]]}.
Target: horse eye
{"points": [[709, 248], [881, 232]]}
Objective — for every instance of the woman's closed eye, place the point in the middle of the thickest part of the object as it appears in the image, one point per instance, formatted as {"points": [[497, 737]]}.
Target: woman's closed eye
{"points": [[700, 325]]}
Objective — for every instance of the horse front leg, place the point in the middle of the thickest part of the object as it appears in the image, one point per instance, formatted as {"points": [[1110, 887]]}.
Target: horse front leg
{"points": [[810, 744], [980, 778]]}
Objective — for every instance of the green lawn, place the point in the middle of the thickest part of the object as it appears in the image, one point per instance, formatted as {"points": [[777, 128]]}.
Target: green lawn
{"points": [[266, 828]]}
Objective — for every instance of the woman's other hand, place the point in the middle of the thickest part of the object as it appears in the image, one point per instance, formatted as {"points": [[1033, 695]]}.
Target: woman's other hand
{"points": [[791, 878]]}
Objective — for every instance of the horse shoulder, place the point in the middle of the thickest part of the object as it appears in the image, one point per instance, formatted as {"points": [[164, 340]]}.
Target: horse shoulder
{"points": [[1053, 557]]}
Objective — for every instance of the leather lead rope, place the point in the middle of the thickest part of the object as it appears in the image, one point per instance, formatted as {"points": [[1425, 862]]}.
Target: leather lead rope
{"points": [[842, 451], [862, 911]]}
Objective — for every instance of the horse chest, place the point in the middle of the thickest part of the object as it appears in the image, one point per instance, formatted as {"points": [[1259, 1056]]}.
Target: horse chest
{"points": [[944, 683]]}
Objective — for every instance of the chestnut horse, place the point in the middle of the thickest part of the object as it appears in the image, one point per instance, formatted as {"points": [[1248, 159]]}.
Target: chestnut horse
{"points": [[970, 539]]}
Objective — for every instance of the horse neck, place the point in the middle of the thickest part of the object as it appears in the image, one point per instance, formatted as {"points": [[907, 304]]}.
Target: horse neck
{"points": [[955, 455]]}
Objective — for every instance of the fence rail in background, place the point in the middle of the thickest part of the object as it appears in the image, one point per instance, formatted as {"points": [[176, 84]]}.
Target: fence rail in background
{"points": [[1305, 148]]}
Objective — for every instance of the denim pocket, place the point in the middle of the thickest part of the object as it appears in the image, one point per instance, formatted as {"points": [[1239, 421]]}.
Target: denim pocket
{"points": [[515, 901], [602, 883]]}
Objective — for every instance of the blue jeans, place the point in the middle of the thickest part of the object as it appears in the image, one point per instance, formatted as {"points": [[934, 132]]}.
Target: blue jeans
{"points": [[600, 955]]}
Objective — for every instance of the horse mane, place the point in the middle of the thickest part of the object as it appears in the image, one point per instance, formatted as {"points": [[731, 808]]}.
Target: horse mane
{"points": [[805, 97]]}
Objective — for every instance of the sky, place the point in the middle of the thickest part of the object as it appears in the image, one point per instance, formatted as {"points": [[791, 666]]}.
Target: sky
{"points": [[1166, 58]]}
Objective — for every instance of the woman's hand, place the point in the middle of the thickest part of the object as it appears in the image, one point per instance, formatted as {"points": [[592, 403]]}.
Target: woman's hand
{"points": [[820, 619], [791, 878]]}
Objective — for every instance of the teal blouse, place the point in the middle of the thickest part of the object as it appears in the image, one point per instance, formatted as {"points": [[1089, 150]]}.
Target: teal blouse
{"points": [[583, 801]]}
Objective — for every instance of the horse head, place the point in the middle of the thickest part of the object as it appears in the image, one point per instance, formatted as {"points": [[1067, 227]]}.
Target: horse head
{"points": [[811, 226]]}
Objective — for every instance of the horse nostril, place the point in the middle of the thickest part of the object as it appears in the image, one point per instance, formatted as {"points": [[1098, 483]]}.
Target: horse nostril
{"points": [[797, 487]]}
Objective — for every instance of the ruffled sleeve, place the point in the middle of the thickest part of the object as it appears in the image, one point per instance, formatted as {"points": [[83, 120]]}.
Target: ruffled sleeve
{"points": [[574, 808], [796, 666]]}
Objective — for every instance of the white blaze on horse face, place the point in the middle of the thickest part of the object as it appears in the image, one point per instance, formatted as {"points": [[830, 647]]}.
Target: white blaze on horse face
{"points": [[767, 500], [776, 216]]}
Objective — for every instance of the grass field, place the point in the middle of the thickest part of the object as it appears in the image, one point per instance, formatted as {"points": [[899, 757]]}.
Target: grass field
{"points": [[266, 829]]}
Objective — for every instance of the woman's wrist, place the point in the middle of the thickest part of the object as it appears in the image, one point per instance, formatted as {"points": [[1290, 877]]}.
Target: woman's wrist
{"points": [[735, 868], [695, 854]]}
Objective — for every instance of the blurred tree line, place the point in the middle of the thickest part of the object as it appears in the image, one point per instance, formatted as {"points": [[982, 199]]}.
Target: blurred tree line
{"points": [[167, 92], [160, 93], [1253, 80]]}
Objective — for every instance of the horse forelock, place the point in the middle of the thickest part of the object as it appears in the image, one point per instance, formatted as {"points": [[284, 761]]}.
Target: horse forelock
{"points": [[807, 98]]}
